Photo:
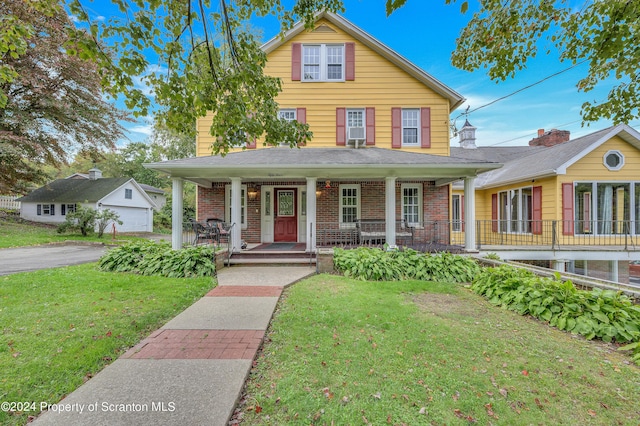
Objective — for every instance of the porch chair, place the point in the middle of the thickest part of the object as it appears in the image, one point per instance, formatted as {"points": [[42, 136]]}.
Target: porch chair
{"points": [[221, 230], [201, 232]]}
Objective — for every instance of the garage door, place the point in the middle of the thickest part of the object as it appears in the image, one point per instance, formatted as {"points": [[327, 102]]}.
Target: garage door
{"points": [[133, 219]]}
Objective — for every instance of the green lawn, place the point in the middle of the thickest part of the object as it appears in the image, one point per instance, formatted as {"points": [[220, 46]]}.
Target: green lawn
{"points": [[61, 326], [17, 234], [351, 352]]}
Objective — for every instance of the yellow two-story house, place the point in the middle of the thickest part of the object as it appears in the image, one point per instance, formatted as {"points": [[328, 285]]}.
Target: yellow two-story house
{"points": [[379, 166], [571, 203]]}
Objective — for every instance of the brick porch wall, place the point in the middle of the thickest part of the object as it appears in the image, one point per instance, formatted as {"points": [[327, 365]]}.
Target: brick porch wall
{"points": [[435, 202]]}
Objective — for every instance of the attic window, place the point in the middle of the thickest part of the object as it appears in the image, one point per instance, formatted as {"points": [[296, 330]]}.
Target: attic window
{"points": [[128, 194], [613, 160]]}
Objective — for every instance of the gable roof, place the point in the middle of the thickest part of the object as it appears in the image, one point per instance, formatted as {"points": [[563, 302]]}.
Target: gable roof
{"points": [[78, 190], [149, 188], [526, 163], [455, 99]]}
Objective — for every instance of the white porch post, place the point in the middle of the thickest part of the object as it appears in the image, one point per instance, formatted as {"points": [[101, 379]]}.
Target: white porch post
{"points": [[177, 185], [560, 265], [390, 210], [236, 214], [614, 271], [311, 214], [470, 214]]}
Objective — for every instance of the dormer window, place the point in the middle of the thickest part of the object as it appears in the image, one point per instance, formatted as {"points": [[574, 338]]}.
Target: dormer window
{"points": [[323, 62]]}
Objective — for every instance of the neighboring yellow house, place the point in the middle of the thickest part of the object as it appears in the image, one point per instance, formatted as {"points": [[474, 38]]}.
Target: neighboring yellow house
{"points": [[574, 202], [378, 168]]}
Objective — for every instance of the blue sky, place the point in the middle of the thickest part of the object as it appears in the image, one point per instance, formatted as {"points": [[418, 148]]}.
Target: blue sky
{"points": [[425, 33]]}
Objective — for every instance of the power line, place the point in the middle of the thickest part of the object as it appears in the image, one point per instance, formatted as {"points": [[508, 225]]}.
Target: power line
{"points": [[467, 111]]}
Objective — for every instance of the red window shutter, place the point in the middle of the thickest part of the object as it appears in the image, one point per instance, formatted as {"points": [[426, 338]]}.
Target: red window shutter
{"points": [[536, 211], [567, 208], [350, 61], [301, 117], [296, 61], [252, 144], [425, 124], [371, 126], [494, 212], [396, 127], [462, 211], [341, 119]]}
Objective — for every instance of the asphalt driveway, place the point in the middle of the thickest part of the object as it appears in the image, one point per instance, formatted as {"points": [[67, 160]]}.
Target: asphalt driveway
{"points": [[24, 259]]}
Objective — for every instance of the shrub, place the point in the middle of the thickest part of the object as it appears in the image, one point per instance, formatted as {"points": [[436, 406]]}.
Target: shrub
{"points": [[151, 258], [104, 217], [82, 219], [372, 264], [604, 314]]}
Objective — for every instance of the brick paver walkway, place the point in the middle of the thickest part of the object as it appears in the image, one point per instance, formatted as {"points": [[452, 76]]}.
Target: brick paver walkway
{"points": [[198, 344]]}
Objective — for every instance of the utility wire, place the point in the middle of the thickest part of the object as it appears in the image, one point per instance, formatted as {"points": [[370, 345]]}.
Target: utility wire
{"points": [[467, 111]]}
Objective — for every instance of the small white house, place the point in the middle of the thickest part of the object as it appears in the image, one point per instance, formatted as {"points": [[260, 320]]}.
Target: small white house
{"points": [[51, 202]]}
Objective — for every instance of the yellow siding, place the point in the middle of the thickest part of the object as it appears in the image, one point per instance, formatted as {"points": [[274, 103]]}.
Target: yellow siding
{"points": [[591, 167], [378, 83]]}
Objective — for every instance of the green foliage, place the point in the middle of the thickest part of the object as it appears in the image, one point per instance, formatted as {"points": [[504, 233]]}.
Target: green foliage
{"points": [[492, 256], [151, 258], [603, 314], [83, 219], [503, 38], [372, 264], [104, 218]]}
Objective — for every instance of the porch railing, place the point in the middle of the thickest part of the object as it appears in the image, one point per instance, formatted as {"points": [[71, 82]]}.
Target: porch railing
{"points": [[551, 234], [556, 234]]}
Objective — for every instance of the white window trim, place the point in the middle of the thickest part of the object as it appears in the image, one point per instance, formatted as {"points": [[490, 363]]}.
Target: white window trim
{"points": [[508, 220], [288, 110], [613, 152], [358, 203], [418, 143], [420, 206], [363, 111], [324, 66], [456, 223], [243, 204]]}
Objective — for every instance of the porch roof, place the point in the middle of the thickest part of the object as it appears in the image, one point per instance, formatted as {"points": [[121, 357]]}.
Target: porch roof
{"points": [[287, 163]]}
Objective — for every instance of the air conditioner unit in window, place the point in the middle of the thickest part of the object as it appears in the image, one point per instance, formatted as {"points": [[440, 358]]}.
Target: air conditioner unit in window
{"points": [[356, 136]]}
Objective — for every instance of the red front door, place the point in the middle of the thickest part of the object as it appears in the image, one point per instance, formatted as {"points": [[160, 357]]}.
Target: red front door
{"points": [[286, 219]]}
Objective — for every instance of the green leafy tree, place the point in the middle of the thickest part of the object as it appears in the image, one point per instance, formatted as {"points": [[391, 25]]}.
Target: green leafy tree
{"points": [[50, 101], [83, 219], [201, 74]]}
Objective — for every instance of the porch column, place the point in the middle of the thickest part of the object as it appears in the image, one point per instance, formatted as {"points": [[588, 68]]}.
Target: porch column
{"points": [[560, 265], [470, 214], [312, 225], [236, 213], [390, 210], [177, 185], [614, 270]]}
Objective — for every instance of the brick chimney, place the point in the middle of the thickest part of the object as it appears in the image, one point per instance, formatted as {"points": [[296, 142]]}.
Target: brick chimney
{"points": [[550, 138]]}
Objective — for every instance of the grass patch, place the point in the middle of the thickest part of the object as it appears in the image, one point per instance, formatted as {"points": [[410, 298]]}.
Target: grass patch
{"points": [[59, 327], [21, 233], [349, 352]]}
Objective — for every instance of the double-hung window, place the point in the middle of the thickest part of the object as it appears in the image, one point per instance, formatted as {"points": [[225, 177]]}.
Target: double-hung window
{"points": [[323, 62], [67, 208], [128, 194], [349, 205], [456, 212], [516, 210], [411, 204], [355, 125], [46, 210], [410, 127], [243, 205]]}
